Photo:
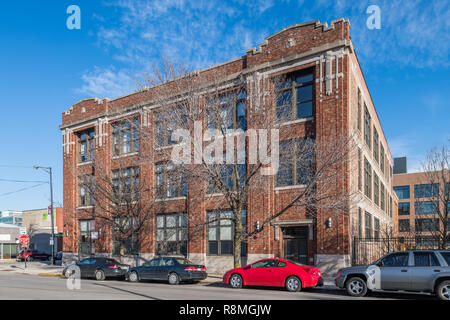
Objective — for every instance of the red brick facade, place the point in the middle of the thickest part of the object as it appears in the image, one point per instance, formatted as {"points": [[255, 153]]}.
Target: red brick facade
{"points": [[326, 49]]}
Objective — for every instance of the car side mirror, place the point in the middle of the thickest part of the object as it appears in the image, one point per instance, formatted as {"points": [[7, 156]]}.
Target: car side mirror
{"points": [[380, 264]]}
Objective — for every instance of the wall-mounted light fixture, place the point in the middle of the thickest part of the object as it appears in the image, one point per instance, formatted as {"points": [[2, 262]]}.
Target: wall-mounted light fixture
{"points": [[328, 223]]}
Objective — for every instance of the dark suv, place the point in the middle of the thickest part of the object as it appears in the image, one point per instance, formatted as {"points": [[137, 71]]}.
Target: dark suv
{"points": [[414, 270]]}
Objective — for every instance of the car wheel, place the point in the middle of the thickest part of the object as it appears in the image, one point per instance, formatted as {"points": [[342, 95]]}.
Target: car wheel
{"points": [[356, 287], [443, 290], [293, 284], [49, 258], [30, 259], [235, 281], [99, 275], [67, 274], [173, 278], [133, 277]]}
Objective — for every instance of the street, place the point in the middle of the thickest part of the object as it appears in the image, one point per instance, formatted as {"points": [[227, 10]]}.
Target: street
{"points": [[31, 287]]}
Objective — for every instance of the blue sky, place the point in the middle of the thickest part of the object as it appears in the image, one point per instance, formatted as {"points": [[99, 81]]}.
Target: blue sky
{"points": [[45, 68]]}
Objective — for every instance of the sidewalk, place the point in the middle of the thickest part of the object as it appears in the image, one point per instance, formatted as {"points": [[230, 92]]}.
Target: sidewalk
{"points": [[35, 267]]}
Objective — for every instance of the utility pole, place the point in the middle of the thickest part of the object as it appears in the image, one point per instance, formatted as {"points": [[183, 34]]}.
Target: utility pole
{"points": [[49, 171]]}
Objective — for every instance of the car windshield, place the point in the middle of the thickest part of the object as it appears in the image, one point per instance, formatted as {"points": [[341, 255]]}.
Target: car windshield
{"points": [[183, 261]]}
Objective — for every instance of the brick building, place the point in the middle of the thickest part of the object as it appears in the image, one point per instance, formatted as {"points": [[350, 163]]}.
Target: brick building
{"points": [[420, 199], [337, 101]]}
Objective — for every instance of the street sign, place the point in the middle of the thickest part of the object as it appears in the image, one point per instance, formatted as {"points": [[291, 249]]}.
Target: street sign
{"points": [[24, 240], [23, 230]]}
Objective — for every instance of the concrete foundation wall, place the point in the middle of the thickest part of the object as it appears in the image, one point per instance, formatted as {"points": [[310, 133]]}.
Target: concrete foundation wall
{"points": [[329, 264]]}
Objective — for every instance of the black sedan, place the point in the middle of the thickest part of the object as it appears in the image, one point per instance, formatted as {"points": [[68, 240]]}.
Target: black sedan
{"points": [[171, 269], [98, 268]]}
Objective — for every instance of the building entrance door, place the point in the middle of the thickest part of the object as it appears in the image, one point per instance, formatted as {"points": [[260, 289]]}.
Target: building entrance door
{"points": [[295, 244]]}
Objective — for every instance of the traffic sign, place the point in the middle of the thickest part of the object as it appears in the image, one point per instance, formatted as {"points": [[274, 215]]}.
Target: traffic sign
{"points": [[24, 240], [23, 230]]}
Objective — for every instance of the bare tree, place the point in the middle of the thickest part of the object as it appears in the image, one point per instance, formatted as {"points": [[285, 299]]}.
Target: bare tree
{"points": [[436, 168], [240, 111]]}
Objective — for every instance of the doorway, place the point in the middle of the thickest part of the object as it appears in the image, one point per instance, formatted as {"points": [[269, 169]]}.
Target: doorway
{"points": [[295, 244]]}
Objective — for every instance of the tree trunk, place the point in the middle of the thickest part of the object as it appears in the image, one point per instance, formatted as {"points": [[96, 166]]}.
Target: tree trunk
{"points": [[237, 238], [122, 251]]}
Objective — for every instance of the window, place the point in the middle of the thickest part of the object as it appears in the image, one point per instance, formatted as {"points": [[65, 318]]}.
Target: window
{"points": [[125, 136], [171, 234], [425, 259], [126, 182], [446, 256], [220, 232], [368, 225], [376, 189], [367, 179], [359, 109], [382, 198], [426, 190], [170, 183], [89, 261], [427, 242], [382, 158], [367, 126], [167, 121], [86, 145], [295, 96], [426, 207], [227, 111], [403, 209], [427, 225], [296, 162], [375, 145], [359, 222], [376, 228], [403, 225], [359, 170], [227, 174], [268, 264], [390, 206], [396, 260], [86, 185], [402, 192], [85, 242], [124, 230]]}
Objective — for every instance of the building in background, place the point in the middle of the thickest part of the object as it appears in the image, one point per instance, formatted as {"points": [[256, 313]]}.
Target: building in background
{"points": [[324, 67], [11, 217], [418, 204], [9, 235]]}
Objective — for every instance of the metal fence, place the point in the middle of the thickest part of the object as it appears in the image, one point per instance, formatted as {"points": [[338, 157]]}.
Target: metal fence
{"points": [[367, 250]]}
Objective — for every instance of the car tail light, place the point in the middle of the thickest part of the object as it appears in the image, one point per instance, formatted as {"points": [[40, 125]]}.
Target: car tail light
{"points": [[190, 269], [203, 269], [113, 266]]}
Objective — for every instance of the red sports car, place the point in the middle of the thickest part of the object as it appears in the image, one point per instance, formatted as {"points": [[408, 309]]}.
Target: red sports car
{"points": [[275, 273]]}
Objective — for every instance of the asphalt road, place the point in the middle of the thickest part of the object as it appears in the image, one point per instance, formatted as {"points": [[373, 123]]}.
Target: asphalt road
{"points": [[29, 287]]}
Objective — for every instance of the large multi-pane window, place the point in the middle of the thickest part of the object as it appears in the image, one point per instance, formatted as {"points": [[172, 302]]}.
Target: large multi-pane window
{"points": [[227, 111], [426, 207], [126, 181], [368, 225], [375, 144], [123, 232], [382, 158], [296, 162], [376, 189], [426, 190], [86, 145], [125, 136], [295, 96], [169, 182], [171, 233], [359, 170], [402, 192], [367, 126], [359, 109], [382, 197], [403, 225], [367, 178], [427, 225], [221, 232], [403, 209], [226, 173], [86, 185], [85, 242], [376, 228], [166, 121], [360, 225]]}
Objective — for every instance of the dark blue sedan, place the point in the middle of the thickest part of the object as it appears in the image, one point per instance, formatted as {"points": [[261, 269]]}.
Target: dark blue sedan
{"points": [[98, 268], [171, 269]]}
